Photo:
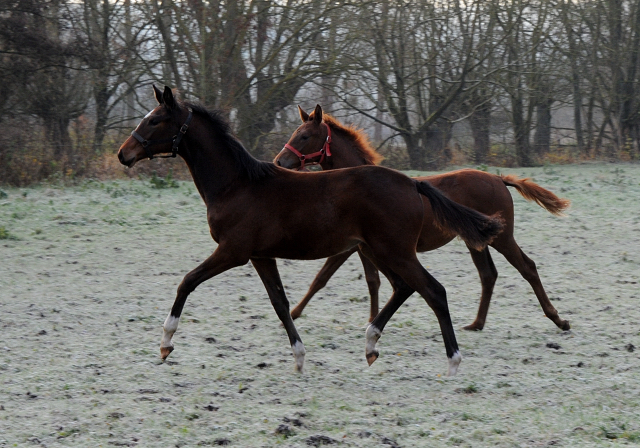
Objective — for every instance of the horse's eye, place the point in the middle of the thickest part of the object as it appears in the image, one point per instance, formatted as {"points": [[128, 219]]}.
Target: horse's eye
{"points": [[153, 122], [305, 137]]}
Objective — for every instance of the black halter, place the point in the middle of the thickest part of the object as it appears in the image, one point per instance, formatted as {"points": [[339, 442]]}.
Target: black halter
{"points": [[176, 139]]}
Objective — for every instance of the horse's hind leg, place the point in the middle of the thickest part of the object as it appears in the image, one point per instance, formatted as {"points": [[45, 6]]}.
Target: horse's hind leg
{"points": [[268, 272], [401, 292], [488, 276], [407, 276], [436, 297], [330, 267], [373, 282], [527, 269]]}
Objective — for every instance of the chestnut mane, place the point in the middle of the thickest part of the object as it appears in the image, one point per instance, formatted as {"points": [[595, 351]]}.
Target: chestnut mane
{"points": [[357, 136]]}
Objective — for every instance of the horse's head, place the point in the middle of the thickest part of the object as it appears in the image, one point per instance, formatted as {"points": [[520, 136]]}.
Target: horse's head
{"points": [[159, 132], [309, 144]]}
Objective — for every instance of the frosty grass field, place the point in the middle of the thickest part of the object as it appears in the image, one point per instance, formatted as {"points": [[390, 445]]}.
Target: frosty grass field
{"points": [[89, 273]]}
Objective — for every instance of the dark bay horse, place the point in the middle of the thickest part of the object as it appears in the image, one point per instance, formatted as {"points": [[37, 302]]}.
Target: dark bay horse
{"points": [[481, 191], [258, 212]]}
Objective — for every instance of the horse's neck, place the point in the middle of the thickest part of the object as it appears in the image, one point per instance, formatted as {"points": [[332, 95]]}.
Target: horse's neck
{"points": [[213, 169], [344, 153]]}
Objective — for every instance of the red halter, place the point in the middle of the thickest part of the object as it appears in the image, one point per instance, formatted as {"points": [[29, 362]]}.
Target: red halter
{"points": [[325, 151]]}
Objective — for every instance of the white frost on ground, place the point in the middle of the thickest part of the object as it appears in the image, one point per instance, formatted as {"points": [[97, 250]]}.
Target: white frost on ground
{"points": [[94, 269]]}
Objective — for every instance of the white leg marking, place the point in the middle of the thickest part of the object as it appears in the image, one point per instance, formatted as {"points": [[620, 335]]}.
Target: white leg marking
{"points": [[169, 328], [454, 362], [298, 353], [371, 336]]}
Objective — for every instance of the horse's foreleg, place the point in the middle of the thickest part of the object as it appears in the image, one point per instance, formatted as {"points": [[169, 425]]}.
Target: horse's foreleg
{"points": [[373, 282], [488, 276], [330, 267], [217, 263], [527, 268], [268, 272]]}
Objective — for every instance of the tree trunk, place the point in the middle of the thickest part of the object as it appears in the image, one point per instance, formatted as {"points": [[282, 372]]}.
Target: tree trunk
{"points": [[101, 97], [170, 71], [577, 113], [480, 122], [542, 136], [520, 131], [428, 150], [416, 155], [57, 131]]}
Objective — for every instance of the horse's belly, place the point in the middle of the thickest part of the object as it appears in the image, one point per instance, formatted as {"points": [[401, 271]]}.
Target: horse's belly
{"points": [[311, 246], [434, 240]]}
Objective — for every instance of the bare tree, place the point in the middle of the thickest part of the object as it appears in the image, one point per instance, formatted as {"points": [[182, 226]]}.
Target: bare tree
{"points": [[572, 25], [614, 26], [51, 86], [249, 58], [423, 56], [112, 50], [529, 80]]}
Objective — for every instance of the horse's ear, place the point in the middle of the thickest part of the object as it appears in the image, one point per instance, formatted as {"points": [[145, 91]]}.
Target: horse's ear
{"points": [[167, 96], [317, 114], [303, 115], [158, 94]]}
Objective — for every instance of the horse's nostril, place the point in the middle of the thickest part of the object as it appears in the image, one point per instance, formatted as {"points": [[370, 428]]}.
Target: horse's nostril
{"points": [[278, 162]]}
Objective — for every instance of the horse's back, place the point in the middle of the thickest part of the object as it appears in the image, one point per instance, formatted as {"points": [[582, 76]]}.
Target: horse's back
{"points": [[365, 191], [351, 183]]}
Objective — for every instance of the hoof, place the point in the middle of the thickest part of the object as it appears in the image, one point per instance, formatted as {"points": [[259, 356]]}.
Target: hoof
{"points": [[564, 325], [371, 357], [165, 351], [473, 327], [295, 314]]}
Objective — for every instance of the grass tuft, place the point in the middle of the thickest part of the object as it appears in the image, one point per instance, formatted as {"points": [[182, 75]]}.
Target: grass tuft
{"points": [[6, 235]]}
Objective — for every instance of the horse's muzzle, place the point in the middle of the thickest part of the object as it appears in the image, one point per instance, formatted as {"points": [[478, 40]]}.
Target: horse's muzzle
{"points": [[126, 162]]}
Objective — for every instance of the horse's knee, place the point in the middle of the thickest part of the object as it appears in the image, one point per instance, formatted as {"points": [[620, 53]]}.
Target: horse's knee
{"points": [[186, 287]]}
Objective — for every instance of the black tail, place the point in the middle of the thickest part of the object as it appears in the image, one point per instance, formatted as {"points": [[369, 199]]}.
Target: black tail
{"points": [[475, 228]]}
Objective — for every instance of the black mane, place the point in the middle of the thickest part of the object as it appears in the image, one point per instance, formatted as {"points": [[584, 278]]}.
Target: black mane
{"points": [[254, 168]]}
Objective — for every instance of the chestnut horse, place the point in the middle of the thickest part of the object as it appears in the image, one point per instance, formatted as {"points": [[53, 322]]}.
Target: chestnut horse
{"points": [[345, 146], [258, 212]]}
